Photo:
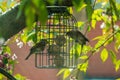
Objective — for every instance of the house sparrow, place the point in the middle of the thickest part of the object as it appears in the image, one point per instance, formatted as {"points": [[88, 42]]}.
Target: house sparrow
{"points": [[77, 36], [38, 47], [59, 61], [53, 49], [60, 40]]}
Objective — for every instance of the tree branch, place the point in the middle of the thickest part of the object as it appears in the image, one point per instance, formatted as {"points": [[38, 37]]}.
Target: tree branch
{"points": [[93, 51], [9, 24], [5, 73]]}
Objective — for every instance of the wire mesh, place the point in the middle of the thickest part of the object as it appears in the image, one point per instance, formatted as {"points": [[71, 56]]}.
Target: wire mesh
{"points": [[59, 52]]}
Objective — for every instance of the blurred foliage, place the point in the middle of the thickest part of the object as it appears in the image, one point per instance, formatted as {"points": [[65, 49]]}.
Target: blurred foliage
{"points": [[108, 13], [7, 58]]}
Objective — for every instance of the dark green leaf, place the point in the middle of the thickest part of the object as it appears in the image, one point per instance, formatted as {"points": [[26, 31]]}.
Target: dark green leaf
{"points": [[30, 15], [5, 60], [79, 4], [41, 10], [89, 9]]}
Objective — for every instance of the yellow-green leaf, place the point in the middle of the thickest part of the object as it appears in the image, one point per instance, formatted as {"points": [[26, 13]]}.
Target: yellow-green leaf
{"points": [[117, 66], [60, 72], [84, 57], [66, 73], [118, 79], [113, 57], [104, 55], [93, 23]]}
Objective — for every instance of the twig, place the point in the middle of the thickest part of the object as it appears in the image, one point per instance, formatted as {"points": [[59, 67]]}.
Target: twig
{"points": [[112, 22], [93, 51], [9, 76]]}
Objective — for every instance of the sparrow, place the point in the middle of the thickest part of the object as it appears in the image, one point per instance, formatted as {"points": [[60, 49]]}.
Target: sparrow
{"points": [[38, 47], [53, 49], [60, 40], [59, 61], [77, 36]]}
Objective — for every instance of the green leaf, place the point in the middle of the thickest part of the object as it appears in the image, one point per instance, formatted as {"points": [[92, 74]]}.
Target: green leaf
{"points": [[80, 24], [89, 9], [93, 23], [113, 56], [41, 10], [77, 50], [84, 57], [99, 43], [5, 60], [24, 37], [117, 66], [104, 55], [60, 72], [66, 73], [20, 77], [32, 36], [1, 76], [21, 7], [98, 38], [113, 4], [117, 79], [79, 4], [30, 16], [83, 67], [6, 49]]}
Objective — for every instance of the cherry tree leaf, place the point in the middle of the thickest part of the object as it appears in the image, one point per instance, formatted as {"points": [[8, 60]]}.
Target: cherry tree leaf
{"points": [[104, 55]]}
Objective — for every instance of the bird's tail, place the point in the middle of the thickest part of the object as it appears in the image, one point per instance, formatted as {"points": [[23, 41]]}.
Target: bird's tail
{"points": [[28, 56]]}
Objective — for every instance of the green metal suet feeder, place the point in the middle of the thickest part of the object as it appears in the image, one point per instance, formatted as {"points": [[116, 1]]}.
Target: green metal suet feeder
{"points": [[59, 52]]}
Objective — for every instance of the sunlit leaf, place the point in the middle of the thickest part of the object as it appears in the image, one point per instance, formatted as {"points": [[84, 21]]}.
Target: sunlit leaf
{"points": [[93, 23], [86, 49], [99, 43], [80, 24], [24, 37], [60, 72], [98, 37], [79, 5], [113, 56], [1, 76], [117, 65], [84, 57], [117, 45], [6, 49], [83, 67], [104, 55], [71, 10], [20, 77], [66, 73], [77, 50]]}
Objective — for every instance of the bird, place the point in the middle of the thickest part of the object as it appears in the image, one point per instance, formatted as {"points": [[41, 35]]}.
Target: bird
{"points": [[38, 47], [59, 61], [77, 36], [53, 49], [60, 40]]}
